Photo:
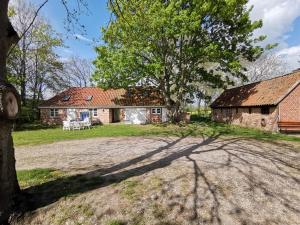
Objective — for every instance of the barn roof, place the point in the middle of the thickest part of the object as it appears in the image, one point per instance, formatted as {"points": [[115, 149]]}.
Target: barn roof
{"points": [[267, 92], [92, 97]]}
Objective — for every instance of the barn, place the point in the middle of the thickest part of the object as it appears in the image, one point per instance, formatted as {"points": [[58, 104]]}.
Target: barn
{"points": [[131, 106], [272, 105]]}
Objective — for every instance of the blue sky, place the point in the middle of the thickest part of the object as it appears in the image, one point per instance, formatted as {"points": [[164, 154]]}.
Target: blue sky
{"points": [[79, 43], [281, 24]]}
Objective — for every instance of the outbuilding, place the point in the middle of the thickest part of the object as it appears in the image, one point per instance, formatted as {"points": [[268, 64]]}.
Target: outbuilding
{"points": [[272, 105]]}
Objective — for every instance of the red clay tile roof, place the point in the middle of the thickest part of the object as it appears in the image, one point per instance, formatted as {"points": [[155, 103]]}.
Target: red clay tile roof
{"points": [[77, 97], [267, 92]]}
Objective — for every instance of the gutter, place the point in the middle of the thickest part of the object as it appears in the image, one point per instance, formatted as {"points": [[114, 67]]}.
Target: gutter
{"points": [[100, 107]]}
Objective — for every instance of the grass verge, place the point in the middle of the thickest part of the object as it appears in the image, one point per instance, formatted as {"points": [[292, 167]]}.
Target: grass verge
{"points": [[34, 177], [204, 128]]}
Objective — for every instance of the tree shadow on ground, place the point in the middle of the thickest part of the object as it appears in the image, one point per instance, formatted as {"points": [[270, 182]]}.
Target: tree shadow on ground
{"points": [[235, 157]]}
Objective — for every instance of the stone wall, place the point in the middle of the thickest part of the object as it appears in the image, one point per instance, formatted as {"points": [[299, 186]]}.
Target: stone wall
{"points": [[289, 107], [248, 117]]}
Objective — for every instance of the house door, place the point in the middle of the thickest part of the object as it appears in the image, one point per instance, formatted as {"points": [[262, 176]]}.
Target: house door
{"points": [[115, 115]]}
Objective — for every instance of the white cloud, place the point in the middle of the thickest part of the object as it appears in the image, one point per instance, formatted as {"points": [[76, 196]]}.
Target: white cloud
{"points": [[278, 17], [82, 38]]}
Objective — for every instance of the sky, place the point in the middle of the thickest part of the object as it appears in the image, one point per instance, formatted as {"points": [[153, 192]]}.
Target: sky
{"points": [[281, 20]]}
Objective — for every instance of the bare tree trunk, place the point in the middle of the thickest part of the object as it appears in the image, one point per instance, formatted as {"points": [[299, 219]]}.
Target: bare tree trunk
{"points": [[8, 180]]}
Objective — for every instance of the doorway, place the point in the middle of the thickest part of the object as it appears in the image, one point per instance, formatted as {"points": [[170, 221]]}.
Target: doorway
{"points": [[115, 115]]}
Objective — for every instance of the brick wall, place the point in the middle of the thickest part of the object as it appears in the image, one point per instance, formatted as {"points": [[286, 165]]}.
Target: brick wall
{"points": [[47, 119], [244, 117], [103, 116], [289, 108]]}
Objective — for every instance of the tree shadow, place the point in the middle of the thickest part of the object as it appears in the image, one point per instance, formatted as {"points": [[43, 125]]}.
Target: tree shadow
{"points": [[239, 155]]}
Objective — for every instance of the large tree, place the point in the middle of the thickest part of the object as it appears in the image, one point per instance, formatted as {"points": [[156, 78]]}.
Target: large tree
{"points": [[8, 180], [9, 100], [176, 45]]}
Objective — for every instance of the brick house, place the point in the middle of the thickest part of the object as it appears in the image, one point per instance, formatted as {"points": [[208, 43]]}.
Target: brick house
{"points": [[272, 105], [132, 106]]}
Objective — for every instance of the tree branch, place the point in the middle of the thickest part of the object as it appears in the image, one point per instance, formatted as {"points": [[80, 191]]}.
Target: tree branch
{"points": [[29, 26]]}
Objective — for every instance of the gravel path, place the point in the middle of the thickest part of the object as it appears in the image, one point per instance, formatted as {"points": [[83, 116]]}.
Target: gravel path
{"points": [[173, 181]]}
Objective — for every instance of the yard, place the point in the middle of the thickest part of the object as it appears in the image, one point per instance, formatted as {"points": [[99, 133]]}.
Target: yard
{"points": [[33, 135], [159, 180]]}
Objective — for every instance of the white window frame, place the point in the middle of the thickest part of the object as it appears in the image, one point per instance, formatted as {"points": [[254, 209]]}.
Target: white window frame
{"points": [[53, 112], [156, 111], [94, 112]]}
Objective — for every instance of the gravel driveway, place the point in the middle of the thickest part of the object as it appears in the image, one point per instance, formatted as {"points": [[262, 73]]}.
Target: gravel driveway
{"points": [[143, 180]]}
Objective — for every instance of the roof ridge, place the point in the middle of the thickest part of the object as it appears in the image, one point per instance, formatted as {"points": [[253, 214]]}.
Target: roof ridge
{"points": [[273, 78], [266, 92]]}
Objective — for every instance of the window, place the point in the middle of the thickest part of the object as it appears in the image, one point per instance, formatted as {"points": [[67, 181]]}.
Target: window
{"points": [[89, 98], [265, 110], [146, 94], [250, 110], [156, 110], [53, 112], [93, 112], [66, 98], [236, 110]]}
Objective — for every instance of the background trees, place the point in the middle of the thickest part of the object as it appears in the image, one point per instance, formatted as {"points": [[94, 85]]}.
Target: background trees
{"points": [[77, 72], [177, 45], [267, 66], [33, 63]]}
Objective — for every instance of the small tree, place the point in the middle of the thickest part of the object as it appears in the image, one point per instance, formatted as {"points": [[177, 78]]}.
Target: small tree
{"points": [[176, 45]]}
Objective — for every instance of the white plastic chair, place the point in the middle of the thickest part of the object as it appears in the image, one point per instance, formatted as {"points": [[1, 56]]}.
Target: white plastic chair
{"points": [[76, 125], [87, 123], [66, 125]]}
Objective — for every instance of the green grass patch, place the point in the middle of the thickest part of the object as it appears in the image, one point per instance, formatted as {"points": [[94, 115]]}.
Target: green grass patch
{"points": [[115, 222], [131, 189], [199, 128], [33, 177]]}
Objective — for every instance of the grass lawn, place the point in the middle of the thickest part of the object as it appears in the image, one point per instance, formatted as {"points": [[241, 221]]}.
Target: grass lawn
{"points": [[43, 136], [33, 177]]}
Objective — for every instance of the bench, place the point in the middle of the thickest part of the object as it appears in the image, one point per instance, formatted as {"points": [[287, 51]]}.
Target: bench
{"points": [[289, 126]]}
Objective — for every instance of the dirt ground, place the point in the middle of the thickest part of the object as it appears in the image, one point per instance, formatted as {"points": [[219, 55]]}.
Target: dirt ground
{"points": [[165, 181]]}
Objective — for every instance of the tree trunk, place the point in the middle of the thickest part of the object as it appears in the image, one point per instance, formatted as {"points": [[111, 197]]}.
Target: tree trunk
{"points": [[9, 185], [9, 108]]}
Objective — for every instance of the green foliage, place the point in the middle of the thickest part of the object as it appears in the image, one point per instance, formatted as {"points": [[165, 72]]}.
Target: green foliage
{"points": [[33, 177], [177, 45], [33, 64], [130, 189]]}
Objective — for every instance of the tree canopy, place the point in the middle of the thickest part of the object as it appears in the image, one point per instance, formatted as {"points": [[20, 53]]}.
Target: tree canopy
{"points": [[177, 45]]}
